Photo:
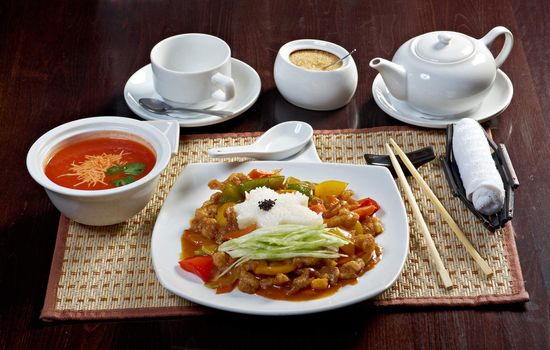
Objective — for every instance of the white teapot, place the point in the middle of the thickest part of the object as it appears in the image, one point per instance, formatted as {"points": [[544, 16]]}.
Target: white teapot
{"points": [[444, 73]]}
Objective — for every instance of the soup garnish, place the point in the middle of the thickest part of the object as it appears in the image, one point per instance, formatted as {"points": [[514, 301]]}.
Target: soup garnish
{"points": [[103, 162]]}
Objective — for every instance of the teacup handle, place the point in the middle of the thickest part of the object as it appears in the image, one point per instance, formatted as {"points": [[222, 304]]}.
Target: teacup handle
{"points": [[226, 86], [506, 48]]}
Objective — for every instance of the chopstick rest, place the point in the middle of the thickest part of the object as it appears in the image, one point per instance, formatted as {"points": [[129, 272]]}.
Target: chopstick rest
{"points": [[444, 213], [440, 267], [418, 158]]}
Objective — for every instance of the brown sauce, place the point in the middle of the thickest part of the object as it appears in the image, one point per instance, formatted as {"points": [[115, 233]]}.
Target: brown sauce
{"points": [[188, 248], [191, 242]]}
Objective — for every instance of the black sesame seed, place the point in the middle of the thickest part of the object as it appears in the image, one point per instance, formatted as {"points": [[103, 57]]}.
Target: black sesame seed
{"points": [[266, 204]]}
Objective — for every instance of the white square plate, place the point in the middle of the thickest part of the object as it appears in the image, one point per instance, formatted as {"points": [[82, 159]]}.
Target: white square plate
{"points": [[191, 190]]}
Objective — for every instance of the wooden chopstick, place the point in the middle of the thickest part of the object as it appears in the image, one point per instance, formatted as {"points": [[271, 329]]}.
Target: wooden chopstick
{"points": [[446, 216], [443, 274]]}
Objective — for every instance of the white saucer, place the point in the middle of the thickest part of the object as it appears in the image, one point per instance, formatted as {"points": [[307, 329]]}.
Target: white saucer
{"points": [[495, 102], [247, 90]]}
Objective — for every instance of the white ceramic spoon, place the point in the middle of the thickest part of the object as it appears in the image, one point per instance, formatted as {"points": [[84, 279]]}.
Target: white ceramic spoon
{"points": [[280, 142]]}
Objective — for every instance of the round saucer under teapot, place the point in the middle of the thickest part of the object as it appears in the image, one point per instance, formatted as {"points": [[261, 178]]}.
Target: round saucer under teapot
{"points": [[444, 73]]}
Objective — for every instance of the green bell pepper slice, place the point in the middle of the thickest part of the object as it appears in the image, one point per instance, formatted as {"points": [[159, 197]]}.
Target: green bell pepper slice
{"points": [[273, 182], [231, 193], [300, 187]]}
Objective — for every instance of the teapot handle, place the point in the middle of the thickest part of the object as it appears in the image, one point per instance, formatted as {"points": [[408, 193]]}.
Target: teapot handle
{"points": [[488, 39]]}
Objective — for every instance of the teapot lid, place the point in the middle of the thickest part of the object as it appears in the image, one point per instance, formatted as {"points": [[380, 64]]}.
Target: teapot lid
{"points": [[443, 47]]}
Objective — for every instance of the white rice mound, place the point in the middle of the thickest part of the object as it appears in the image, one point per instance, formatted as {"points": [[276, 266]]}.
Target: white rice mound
{"points": [[289, 208]]}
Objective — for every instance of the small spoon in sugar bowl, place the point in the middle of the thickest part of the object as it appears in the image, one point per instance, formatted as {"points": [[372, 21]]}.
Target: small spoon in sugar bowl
{"points": [[280, 142], [340, 60]]}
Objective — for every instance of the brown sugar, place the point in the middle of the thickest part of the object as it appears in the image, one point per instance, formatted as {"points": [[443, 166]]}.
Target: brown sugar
{"points": [[314, 59]]}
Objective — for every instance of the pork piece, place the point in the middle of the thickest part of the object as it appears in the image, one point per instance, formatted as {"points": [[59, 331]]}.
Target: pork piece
{"points": [[331, 273], [315, 200], [300, 282], [332, 205], [237, 178], [319, 283], [204, 220], [231, 216], [267, 282], [215, 185], [248, 283], [281, 278], [351, 269], [215, 198], [305, 261], [378, 228], [234, 179], [345, 218], [221, 260], [366, 244], [206, 226], [252, 264], [372, 225], [278, 280], [232, 225], [347, 196], [334, 208], [332, 211]]}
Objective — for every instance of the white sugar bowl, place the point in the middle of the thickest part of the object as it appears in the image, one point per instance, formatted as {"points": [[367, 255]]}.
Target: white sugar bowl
{"points": [[444, 73], [319, 90]]}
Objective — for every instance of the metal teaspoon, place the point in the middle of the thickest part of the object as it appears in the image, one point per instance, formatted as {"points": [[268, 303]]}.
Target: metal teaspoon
{"points": [[157, 106], [340, 60]]}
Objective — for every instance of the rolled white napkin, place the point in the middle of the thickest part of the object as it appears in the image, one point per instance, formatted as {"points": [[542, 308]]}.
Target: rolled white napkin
{"points": [[478, 172]]}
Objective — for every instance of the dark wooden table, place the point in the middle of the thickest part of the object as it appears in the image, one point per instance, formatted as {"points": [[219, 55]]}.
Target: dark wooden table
{"points": [[64, 60]]}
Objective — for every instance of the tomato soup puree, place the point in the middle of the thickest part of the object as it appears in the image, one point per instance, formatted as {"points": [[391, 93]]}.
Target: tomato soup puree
{"points": [[100, 163]]}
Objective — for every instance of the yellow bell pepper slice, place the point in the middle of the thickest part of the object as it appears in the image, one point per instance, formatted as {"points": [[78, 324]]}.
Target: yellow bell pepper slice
{"points": [[220, 214], [330, 187], [358, 228]]}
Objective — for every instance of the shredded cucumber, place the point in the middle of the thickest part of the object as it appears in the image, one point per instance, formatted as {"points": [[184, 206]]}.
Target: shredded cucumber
{"points": [[284, 242]]}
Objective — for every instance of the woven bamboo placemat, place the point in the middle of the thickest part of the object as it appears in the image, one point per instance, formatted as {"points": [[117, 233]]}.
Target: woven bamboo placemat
{"points": [[106, 272]]}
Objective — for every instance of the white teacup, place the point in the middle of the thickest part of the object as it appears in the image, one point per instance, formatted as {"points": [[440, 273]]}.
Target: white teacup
{"points": [[193, 70]]}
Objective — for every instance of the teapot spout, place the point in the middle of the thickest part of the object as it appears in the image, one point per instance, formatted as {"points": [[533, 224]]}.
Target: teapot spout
{"points": [[394, 75]]}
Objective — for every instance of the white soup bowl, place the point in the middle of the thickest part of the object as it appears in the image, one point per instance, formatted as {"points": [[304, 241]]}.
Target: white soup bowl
{"points": [[99, 207]]}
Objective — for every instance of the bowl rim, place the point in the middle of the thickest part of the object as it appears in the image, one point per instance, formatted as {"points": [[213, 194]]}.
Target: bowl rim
{"points": [[35, 163]]}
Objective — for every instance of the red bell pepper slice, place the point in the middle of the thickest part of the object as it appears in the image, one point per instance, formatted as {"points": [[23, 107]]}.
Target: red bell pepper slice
{"points": [[201, 266], [368, 201], [258, 174], [363, 212], [367, 207]]}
